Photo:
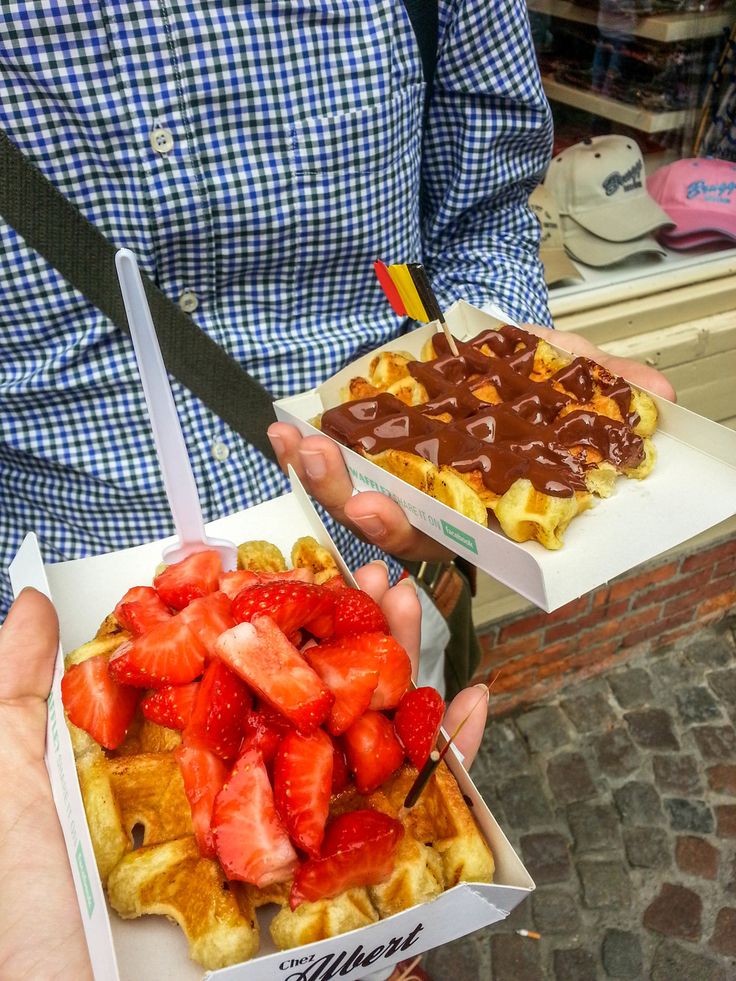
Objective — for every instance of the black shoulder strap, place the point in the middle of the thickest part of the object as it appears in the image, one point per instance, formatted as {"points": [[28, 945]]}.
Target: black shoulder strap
{"points": [[56, 229], [424, 17]]}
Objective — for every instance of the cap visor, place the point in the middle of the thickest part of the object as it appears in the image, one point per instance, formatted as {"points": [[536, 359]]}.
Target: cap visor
{"points": [[624, 220], [694, 240], [595, 251], [689, 221], [557, 266]]}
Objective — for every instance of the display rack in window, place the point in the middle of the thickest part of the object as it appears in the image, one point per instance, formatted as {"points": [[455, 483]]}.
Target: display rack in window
{"points": [[643, 94], [643, 65]]}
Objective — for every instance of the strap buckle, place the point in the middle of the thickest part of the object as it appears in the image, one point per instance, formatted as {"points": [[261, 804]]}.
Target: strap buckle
{"points": [[443, 582], [430, 573]]}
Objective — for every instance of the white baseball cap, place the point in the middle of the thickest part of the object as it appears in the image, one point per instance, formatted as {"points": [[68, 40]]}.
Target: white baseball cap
{"points": [[600, 183], [592, 250], [557, 265]]}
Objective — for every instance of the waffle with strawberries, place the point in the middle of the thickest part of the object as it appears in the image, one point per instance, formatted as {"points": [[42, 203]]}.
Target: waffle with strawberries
{"points": [[248, 738], [508, 427]]}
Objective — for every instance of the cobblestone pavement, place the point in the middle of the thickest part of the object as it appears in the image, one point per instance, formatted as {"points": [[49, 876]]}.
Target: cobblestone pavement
{"points": [[620, 797]]}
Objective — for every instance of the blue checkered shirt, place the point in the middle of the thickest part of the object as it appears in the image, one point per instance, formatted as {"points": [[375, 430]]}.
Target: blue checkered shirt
{"points": [[257, 157]]}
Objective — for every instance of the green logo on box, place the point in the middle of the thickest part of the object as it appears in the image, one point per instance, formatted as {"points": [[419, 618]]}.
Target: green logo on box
{"points": [[84, 877], [455, 535]]}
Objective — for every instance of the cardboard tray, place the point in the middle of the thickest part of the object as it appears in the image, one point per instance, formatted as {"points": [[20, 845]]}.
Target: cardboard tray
{"points": [[84, 591], [692, 488]]}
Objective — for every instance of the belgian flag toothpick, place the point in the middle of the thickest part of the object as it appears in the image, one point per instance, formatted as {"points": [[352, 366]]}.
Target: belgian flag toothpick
{"points": [[408, 291]]}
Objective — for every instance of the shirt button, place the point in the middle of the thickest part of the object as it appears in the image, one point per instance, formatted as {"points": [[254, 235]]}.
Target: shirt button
{"points": [[220, 451], [162, 140], [188, 301]]}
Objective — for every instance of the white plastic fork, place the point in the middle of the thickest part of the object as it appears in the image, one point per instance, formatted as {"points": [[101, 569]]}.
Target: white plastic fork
{"points": [[173, 458]]}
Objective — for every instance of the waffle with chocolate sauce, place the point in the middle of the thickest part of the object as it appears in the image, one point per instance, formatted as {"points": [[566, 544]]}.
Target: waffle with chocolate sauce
{"points": [[508, 427]]}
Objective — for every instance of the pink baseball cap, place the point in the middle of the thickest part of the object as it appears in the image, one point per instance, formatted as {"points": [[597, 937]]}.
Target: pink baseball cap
{"points": [[694, 240], [699, 195]]}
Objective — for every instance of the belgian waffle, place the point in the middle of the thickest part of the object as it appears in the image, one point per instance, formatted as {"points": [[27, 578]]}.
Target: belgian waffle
{"points": [[508, 427], [441, 847], [149, 863]]}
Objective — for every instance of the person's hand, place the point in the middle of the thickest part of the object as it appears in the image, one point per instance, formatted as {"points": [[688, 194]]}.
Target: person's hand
{"points": [[401, 606], [41, 934], [372, 516], [637, 373]]}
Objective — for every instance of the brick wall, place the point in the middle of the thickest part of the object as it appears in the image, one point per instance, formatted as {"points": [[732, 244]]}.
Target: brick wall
{"points": [[536, 653]]}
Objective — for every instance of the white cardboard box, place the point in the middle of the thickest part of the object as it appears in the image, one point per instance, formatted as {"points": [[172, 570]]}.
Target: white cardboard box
{"points": [[692, 488], [153, 949]]}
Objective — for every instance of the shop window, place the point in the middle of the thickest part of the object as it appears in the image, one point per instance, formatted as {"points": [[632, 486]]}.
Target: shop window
{"points": [[643, 177]]}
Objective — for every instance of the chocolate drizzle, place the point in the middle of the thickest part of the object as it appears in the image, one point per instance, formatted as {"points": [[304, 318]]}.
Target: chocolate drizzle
{"points": [[525, 434]]}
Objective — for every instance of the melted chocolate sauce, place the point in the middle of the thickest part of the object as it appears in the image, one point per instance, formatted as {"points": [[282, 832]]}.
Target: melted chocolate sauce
{"points": [[523, 436]]}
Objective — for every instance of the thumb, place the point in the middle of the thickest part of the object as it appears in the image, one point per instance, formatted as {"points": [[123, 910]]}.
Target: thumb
{"points": [[469, 700], [29, 639]]}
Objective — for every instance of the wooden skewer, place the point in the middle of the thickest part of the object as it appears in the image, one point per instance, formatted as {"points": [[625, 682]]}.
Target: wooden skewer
{"points": [[422, 779]]}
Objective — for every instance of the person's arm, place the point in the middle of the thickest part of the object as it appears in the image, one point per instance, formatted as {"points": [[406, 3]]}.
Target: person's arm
{"points": [[487, 146]]}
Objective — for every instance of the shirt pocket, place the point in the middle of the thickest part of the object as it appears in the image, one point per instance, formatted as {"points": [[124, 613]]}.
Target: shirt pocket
{"points": [[356, 177]]}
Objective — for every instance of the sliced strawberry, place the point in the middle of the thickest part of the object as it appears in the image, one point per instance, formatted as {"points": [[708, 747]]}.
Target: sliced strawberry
{"points": [[320, 623], [170, 706], [140, 609], [95, 702], [302, 786], [197, 575], [169, 654], [263, 730], [263, 657], [209, 616], [252, 843], [232, 582], [394, 673], [359, 850], [291, 605], [417, 722], [204, 776], [336, 583], [357, 613], [386, 655], [340, 772], [373, 752], [350, 678], [219, 711]]}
